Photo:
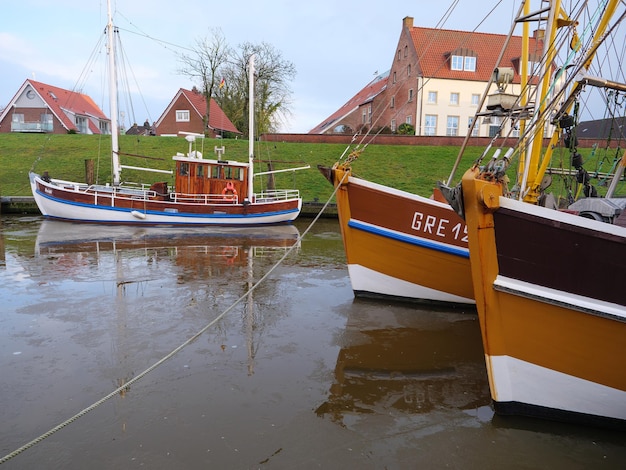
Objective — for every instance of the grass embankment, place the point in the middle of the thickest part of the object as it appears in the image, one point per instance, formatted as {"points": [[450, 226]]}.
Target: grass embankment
{"points": [[411, 168]]}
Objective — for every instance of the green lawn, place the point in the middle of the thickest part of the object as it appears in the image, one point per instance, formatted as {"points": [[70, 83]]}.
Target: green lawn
{"points": [[411, 168]]}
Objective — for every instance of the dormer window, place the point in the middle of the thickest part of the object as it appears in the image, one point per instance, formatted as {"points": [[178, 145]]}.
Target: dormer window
{"points": [[463, 59], [469, 64], [456, 63]]}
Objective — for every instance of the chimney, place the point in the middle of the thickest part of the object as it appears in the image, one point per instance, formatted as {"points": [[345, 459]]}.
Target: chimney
{"points": [[407, 22]]}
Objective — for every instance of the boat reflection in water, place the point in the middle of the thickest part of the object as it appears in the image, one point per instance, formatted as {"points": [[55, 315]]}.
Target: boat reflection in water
{"points": [[223, 245], [429, 361]]}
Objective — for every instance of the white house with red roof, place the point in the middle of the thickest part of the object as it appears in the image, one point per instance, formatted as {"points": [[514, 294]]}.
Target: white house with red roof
{"points": [[435, 84], [186, 112], [41, 108]]}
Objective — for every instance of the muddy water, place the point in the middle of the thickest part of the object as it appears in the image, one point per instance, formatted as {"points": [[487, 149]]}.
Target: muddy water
{"points": [[297, 374]]}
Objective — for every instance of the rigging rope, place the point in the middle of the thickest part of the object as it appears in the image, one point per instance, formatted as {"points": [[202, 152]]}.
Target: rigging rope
{"points": [[126, 385]]}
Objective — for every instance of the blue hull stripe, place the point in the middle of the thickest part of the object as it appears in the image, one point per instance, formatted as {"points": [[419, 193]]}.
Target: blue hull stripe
{"points": [[421, 242]]}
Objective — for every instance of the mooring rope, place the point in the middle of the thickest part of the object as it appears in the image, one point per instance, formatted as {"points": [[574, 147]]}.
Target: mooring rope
{"points": [[126, 385]]}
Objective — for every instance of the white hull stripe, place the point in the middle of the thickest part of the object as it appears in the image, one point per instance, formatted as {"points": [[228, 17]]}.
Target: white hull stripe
{"points": [[410, 239], [563, 299], [523, 382], [367, 280]]}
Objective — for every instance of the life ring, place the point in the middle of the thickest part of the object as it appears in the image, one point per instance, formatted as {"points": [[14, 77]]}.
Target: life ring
{"points": [[229, 192]]}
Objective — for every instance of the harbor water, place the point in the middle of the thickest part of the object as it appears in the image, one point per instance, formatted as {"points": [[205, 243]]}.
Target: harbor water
{"points": [[168, 348]]}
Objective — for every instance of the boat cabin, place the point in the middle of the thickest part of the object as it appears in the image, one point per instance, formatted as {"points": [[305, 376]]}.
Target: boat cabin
{"points": [[218, 180]]}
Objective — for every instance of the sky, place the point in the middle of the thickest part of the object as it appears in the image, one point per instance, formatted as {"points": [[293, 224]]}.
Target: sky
{"points": [[336, 47]]}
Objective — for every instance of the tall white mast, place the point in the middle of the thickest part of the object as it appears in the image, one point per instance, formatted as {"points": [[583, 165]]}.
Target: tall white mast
{"points": [[251, 126], [113, 99]]}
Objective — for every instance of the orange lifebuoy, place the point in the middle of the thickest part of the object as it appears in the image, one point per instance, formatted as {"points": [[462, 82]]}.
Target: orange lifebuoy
{"points": [[229, 192]]}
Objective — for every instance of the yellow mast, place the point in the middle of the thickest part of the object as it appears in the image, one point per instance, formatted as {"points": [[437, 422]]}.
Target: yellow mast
{"points": [[534, 173]]}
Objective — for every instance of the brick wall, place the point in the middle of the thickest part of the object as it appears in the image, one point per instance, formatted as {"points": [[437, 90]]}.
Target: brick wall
{"points": [[387, 139]]}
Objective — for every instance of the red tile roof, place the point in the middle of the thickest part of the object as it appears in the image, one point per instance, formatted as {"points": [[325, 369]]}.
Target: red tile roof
{"points": [[434, 46], [60, 100], [217, 118]]}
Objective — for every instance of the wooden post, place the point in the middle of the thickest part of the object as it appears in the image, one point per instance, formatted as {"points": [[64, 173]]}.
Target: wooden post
{"points": [[89, 172], [271, 183]]}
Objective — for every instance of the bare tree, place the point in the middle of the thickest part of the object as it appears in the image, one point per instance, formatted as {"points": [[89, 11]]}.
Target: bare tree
{"points": [[208, 56], [273, 74]]}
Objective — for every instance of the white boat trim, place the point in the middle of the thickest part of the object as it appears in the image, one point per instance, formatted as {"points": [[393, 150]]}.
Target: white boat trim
{"points": [[515, 380], [367, 280], [563, 299]]}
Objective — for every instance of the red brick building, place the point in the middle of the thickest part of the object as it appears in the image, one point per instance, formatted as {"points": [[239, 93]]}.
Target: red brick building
{"points": [[185, 113], [41, 108], [435, 84]]}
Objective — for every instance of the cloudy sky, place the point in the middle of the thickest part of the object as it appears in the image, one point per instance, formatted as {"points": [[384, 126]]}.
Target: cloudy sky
{"points": [[336, 47]]}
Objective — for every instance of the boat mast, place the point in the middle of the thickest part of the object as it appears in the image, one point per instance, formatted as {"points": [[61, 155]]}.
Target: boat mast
{"points": [[113, 99], [251, 126]]}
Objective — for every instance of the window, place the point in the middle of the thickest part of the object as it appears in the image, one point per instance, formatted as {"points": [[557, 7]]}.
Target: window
{"points": [[475, 129], [183, 170], [216, 171], [200, 171], [457, 62], [369, 113], [406, 51], [514, 128], [411, 94], [475, 99], [494, 127], [454, 99], [469, 64], [393, 102], [452, 126], [393, 125], [182, 115], [432, 97], [394, 77], [409, 120], [430, 124], [81, 124], [364, 116], [408, 70]]}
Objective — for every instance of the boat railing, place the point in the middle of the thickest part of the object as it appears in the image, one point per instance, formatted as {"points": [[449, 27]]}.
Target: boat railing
{"points": [[121, 191], [271, 195], [205, 198]]}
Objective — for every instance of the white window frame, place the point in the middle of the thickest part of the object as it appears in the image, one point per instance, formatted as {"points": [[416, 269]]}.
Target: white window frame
{"points": [[182, 115], [430, 124], [456, 62], [432, 97], [455, 98], [475, 130], [452, 126], [469, 64]]}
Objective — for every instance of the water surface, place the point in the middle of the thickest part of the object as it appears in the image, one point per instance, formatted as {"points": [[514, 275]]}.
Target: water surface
{"points": [[298, 374]]}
